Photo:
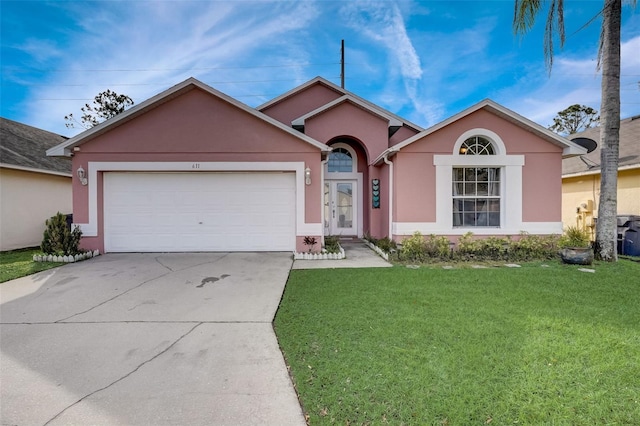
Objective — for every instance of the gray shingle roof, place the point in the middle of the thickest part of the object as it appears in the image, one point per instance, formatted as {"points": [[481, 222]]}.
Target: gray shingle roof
{"points": [[26, 146], [629, 148]]}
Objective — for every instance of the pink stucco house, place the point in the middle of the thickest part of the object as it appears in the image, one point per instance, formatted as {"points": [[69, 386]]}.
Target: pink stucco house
{"points": [[193, 169]]}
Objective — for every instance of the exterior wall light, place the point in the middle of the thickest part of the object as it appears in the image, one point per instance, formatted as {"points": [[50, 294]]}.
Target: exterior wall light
{"points": [[82, 175], [307, 176]]}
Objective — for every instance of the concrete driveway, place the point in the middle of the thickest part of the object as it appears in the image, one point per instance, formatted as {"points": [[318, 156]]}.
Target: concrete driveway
{"points": [[147, 339]]}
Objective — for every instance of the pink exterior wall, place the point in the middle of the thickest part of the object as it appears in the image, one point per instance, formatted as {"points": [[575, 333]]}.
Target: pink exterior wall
{"points": [[379, 225], [301, 103], [541, 174], [194, 127], [347, 119], [403, 133], [415, 187], [542, 188]]}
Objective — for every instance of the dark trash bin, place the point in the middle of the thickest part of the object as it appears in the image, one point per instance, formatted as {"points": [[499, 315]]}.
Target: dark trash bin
{"points": [[624, 221], [631, 239]]}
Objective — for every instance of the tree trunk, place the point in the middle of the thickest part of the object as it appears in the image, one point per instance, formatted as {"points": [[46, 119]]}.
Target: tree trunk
{"points": [[606, 232]]}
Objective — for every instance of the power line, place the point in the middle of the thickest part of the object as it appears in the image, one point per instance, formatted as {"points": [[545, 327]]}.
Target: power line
{"points": [[161, 84], [11, 68]]}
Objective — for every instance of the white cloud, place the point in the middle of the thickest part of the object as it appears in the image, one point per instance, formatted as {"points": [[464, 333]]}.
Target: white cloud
{"points": [[575, 81], [154, 46]]}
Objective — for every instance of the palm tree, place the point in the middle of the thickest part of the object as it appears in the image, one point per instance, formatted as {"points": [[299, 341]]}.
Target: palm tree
{"points": [[609, 61]]}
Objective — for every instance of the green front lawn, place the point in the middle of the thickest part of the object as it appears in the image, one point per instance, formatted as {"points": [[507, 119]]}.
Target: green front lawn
{"points": [[19, 263], [502, 346]]}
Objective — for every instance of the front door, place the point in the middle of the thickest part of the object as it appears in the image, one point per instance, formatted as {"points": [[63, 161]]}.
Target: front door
{"points": [[340, 207]]}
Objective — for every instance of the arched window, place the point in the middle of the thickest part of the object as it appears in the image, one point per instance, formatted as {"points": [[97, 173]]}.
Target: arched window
{"points": [[340, 161], [477, 145]]}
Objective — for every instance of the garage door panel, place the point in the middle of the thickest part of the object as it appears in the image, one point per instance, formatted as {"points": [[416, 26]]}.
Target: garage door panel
{"points": [[199, 211]]}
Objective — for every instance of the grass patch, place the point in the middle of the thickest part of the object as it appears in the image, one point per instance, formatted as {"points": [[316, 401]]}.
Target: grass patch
{"points": [[19, 263], [428, 346]]}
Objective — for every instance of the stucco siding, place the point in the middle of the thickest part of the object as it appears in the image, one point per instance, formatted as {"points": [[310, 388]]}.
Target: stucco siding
{"points": [[196, 122], [27, 200], [542, 188], [415, 188], [349, 120], [403, 133], [301, 103], [585, 189], [195, 128]]}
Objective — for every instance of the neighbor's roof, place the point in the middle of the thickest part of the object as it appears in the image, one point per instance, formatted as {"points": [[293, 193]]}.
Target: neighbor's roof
{"points": [[568, 148], [65, 149], [24, 147], [629, 155]]}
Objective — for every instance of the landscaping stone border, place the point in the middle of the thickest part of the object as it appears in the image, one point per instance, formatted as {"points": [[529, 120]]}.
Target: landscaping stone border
{"points": [[319, 256], [65, 259], [378, 250]]}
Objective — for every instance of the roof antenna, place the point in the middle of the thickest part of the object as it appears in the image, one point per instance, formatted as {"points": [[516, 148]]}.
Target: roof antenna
{"points": [[342, 65]]}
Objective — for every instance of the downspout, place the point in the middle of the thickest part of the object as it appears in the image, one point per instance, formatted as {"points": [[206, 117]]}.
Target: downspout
{"points": [[390, 164], [322, 218]]}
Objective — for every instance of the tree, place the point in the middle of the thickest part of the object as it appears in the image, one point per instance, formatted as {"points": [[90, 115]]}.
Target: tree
{"points": [[575, 119], [609, 61], [106, 105]]}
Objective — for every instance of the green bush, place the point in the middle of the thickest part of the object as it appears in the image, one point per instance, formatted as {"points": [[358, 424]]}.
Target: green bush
{"points": [[414, 248], [467, 247], [437, 247], [418, 248], [575, 237], [332, 244], [386, 244], [58, 238], [494, 248], [526, 247], [535, 247]]}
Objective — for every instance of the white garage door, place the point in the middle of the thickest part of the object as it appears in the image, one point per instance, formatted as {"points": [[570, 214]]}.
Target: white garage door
{"points": [[158, 212]]}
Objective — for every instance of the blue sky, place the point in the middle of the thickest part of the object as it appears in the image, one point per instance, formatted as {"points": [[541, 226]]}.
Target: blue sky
{"points": [[423, 60]]}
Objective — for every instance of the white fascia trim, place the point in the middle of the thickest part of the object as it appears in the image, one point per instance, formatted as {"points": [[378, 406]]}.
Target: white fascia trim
{"points": [[597, 171], [64, 149], [569, 148], [347, 98], [90, 229], [428, 228], [34, 170], [478, 160], [300, 88]]}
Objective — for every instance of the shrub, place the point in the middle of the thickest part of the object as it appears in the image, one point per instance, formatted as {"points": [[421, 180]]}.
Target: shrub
{"points": [[58, 238], [531, 247], [414, 248], [331, 244], [437, 247], [575, 237], [467, 247], [310, 242], [494, 248], [386, 244]]}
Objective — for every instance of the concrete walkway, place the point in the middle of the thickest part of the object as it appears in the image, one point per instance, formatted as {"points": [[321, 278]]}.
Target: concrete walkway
{"points": [[358, 255], [147, 339]]}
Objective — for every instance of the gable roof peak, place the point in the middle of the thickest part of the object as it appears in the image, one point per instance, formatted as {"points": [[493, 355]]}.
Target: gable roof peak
{"points": [[65, 149]]}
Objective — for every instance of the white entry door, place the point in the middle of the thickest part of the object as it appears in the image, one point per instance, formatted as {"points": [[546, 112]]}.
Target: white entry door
{"points": [[340, 207]]}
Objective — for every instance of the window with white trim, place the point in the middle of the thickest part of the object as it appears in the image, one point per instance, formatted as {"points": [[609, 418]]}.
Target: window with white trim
{"points": [[340, 161], [476, 196], [477, 145], [476, 190]]}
